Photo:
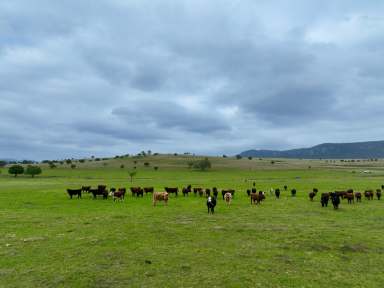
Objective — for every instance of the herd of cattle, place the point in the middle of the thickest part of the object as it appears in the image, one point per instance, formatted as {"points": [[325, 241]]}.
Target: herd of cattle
{"points": [[255, 196]]}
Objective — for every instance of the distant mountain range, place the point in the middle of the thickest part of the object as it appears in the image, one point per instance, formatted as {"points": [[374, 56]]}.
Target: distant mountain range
{"points": [[358, 150]]}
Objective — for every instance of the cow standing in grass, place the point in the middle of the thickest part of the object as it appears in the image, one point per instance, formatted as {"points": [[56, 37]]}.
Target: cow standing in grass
{"points": [[378, 194], [228, 198], [324, 199], [160, 196], [211, 203], [335, 197], [72, 192]]}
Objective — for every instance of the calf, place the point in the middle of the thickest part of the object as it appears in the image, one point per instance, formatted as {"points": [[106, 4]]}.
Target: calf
{"points": [[160, 196], [293, 192], [231, 191], [248, 192], [72, 192], [211, 203], [285, 187], [378, 194], [207, 192], [324, 199]]}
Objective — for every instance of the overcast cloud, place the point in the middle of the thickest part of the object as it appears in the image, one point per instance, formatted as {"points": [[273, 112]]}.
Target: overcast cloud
{"points": [[81, 78]]}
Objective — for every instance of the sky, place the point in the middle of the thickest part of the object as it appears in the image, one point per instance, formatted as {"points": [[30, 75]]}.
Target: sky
{"points": [[105, 78]]}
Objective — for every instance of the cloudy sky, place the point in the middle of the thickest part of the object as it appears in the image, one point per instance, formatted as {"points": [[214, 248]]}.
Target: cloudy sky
{"points": [[81, 78]]}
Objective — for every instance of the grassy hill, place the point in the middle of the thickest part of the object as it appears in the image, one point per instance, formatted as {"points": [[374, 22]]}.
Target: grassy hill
{"points": [[48, 240]]}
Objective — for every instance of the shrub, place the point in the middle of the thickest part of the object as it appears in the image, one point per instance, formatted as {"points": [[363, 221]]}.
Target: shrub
{"points": [[122, 166], [238, 157], [33, 170], [250, 158], [202, 165], [156, 168], [73, 166], [16, 170], [146, 164]]}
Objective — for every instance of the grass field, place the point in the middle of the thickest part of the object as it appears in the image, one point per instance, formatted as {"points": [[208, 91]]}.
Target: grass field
{"points": [[47, 240]]}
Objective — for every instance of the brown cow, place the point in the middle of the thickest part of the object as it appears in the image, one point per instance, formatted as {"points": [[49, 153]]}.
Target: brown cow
{"points": [[368, 194], [172, 190], [160, 196], [137, 191], [256, 198], [119, 194], [312, 195], [350, 197], [358, 196]]}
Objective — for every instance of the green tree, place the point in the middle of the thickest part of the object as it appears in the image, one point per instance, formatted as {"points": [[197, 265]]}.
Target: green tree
{"points": [[33, 170], [2, 163], [132, 174], [16, 170], [202, 165], [73, 166]]}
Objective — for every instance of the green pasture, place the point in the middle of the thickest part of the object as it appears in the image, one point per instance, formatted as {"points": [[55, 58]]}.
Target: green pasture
{"points": [[48, 240]]}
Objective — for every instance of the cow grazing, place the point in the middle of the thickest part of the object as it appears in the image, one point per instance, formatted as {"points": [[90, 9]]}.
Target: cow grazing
{"points": [[148, 190], [160, 196], [324, 199], [277, 193], [335, 200], [358, 196], [72, 192], [293, 192], [172, 190], [198, 190], [312, 195], [211, 203], [248, 192], [368, 194], [378, 194], [228, 198], [256, 198]]}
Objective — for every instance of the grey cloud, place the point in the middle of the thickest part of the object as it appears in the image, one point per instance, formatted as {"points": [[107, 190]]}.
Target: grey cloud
{"points": [[134, 75]]}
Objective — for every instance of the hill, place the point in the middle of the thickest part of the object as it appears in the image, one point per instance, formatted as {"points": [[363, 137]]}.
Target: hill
{"points": [[358, 150]]}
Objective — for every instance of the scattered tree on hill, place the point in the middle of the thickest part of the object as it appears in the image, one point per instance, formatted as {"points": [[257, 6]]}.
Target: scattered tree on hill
{"points": [[132, 174], [190, 164], [2, 163], [238, 157], [82, 160], [52, 165], [202, 164], [33, 170], [146, 164], [122, 166], [156, 168], [224, 156], [16, 170], [68, 161], [73, 166], [249, 157]]}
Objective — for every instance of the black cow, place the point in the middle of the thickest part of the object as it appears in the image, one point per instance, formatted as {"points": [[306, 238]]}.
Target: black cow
{"points": [[215, 192], [324, 199], [72, 192], [211, 203], [172, 190], [293, 192], [277, 193], [335, 197], [378, 194]]}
